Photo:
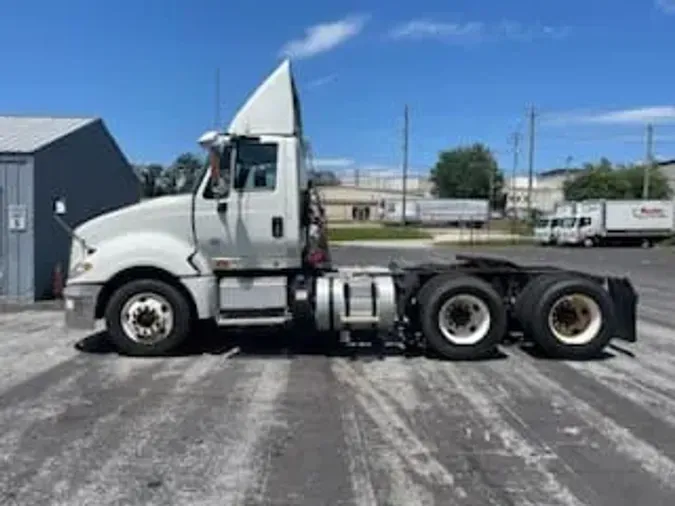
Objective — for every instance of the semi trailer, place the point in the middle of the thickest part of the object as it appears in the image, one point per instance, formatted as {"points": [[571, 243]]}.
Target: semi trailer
{"points": [[436, 212], [246, 247]]}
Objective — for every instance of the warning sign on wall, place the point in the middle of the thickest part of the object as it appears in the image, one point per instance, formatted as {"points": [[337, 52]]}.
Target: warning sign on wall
{"points": [[18, 217]]}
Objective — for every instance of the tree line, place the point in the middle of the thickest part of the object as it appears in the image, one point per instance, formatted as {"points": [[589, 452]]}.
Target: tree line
{"points": [[473, 172]]}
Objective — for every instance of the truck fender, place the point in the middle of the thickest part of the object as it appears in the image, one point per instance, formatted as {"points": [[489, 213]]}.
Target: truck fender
{"points": [[153, 250], [150, 249]]}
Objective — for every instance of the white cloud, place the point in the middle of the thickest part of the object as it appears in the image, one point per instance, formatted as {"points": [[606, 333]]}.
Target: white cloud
{"points": [[324, 37], [326, 163], [667, 6], [518, 31], [641, 115], [321, 81], [475, 31], [417, 29]]}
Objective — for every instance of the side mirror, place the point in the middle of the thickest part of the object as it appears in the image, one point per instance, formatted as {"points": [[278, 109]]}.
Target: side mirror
{"points": [[220, 163], [59, 207]]}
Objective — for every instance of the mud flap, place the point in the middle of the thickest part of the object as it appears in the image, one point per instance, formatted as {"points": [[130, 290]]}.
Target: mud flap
{"points": [[625, 300]]}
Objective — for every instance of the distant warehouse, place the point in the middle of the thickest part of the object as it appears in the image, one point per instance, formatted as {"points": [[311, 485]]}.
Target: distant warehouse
{"points": [[42, 158]]}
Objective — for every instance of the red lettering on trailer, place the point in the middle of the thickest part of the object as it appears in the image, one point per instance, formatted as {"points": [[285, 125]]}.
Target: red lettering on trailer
{"points": [[649, 212]]}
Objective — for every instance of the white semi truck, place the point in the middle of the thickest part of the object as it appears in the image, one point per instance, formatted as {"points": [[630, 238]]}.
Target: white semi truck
{"points": [[619, 222], [238, 250]]}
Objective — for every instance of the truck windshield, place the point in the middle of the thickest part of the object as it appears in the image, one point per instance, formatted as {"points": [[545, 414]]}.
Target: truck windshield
{"points": [[542, 223], [568, 222]]}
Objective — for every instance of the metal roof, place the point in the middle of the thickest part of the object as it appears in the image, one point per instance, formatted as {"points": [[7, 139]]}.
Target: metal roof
{"points": [[27, 134]]}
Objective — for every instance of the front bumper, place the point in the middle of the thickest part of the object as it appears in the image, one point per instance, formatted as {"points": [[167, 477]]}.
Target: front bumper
{"points": [[80, 305]]}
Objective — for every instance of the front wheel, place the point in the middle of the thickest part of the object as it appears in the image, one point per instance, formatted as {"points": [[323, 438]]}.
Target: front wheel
{"points": [[147, 317]]}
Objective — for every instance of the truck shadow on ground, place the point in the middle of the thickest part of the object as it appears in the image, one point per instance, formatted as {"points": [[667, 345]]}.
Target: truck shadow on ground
{"points": [[287, 344], [274, 344], [535, 352]]}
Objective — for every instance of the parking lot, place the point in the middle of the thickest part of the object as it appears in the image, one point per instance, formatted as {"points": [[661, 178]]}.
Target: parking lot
{"points": [[276, 420]]}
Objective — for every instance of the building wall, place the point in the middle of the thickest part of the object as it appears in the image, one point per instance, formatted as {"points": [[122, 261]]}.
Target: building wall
{"points": [[546, 193], [16, 239], [358, 203], [386, 180], [88, 169]]}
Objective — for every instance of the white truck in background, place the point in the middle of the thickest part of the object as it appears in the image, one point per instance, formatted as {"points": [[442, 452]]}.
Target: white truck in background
{"points": [[564, 215], [439, 212], [543, 229], [237, 250], [600, 222]]}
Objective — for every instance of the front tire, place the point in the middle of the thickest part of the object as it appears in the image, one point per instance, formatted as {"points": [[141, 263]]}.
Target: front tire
{"points": [[147, 317], [462, 317]]}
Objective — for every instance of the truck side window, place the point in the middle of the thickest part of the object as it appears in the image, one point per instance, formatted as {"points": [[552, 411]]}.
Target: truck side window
{"points": [[585, 222], [256, 167], [224, 161]]}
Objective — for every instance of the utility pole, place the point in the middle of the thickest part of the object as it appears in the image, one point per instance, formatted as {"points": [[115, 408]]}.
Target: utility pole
{"points": [[649, 162], [405, 161], [515, 139], [216, 118], [530, 173]]}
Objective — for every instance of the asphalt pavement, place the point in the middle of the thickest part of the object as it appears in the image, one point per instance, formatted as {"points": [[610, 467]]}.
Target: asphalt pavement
{"points": [[279, 420]]}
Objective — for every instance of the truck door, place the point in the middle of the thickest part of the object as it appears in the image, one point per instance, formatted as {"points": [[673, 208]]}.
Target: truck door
{"points": [[247, 228]]}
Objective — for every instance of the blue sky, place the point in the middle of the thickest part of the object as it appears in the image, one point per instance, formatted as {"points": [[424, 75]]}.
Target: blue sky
{"points": [[596, 70]]}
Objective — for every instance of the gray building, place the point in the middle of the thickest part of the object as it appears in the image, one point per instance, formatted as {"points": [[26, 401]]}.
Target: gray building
{"points": [[42, 159]]}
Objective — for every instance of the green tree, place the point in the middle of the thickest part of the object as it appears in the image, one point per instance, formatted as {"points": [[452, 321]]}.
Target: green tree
{"points": [[324, 178], [605, 181], [468, 172], [182, 174], [150, 175]]}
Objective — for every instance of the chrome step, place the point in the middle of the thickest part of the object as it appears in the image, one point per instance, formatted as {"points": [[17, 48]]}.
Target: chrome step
{"points": [[252, 321]]}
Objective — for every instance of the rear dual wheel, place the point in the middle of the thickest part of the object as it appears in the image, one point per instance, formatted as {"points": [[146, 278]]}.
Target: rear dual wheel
{"points": [[567, 316], [462, 317]]}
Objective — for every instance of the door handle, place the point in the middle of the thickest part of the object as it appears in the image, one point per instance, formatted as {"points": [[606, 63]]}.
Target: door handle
{"points": [[277, 227], [222, 207]]}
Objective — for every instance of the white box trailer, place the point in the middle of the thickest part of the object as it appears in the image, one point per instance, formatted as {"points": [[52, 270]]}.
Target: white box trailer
{"points": [[453, 212], [392, 211], [621, 222], [462, 212]]}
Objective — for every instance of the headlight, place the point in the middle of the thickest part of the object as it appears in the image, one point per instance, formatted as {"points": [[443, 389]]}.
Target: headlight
{"points": [[79, 268]]}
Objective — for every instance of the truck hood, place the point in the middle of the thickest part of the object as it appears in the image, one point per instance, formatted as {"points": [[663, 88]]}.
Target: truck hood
{"points": [[170, 214]]}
